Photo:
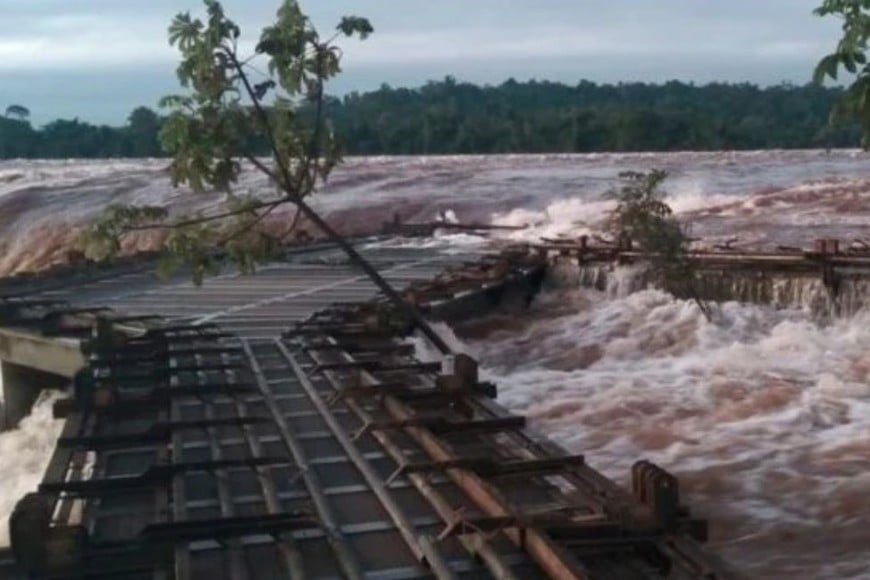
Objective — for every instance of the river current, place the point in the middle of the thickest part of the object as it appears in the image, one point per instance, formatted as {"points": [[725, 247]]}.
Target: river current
{"points": [[762, 413]]}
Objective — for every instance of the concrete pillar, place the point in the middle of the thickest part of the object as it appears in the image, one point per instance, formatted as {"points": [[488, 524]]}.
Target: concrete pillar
{"points": [[21, 387]]}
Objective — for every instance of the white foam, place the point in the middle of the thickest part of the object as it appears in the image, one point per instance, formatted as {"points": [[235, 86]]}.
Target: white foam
{"points": [[573, 216], [584, 215], [692, 197], [24, 455], [443, 240], [762, 413], [426, 352]]}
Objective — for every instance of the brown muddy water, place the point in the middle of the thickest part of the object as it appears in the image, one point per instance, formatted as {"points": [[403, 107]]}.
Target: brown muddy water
{"points": [[763, 414]]}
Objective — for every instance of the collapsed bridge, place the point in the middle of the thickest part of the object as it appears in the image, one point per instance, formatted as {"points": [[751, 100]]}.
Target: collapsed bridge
{"points": [[282, 426], [827, 279]]}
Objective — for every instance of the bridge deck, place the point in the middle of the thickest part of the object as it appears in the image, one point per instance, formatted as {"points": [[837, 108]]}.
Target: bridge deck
{"points": [[267, 429], [260, 305]]}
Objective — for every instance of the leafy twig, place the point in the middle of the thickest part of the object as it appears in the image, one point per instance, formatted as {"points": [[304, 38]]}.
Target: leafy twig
{"points": [[643, 217]]}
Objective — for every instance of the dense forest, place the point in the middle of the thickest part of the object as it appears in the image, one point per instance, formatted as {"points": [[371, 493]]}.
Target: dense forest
{"points": [[65, 139], [451, 117]]}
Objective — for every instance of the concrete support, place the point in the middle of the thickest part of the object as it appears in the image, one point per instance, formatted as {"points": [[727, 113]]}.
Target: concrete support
{"points": [[58, 356], [21, 387]]}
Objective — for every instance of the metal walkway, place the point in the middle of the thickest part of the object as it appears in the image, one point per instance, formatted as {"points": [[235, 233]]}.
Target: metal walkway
{"points": [[256, 306], [280, 426]]}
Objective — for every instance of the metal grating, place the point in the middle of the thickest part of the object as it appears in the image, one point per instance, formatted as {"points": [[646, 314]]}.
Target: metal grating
{"points": [[214, 445]]}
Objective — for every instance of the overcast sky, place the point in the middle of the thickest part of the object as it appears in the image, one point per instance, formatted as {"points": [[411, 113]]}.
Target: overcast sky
{"points": [[97, 59]]}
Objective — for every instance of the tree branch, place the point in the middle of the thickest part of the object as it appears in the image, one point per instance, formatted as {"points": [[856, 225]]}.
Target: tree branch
{"points": [[205, 219], [262, 167], [293, 225], [247, 227], [264, 120], [313, 152], [301, 158]]}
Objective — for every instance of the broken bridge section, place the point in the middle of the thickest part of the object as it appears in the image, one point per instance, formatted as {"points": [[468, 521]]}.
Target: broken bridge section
{"points": [[281, 426]]}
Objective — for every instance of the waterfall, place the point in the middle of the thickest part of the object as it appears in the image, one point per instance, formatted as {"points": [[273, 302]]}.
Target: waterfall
{"points": [[803, 291]]}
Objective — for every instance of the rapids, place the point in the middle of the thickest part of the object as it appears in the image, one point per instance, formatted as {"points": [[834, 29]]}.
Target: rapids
{"points": [[767, 197], [763, 413], [24, 455]]}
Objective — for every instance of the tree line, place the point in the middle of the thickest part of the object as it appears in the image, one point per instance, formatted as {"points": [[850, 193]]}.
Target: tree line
{"points": [[66, 139], [448, 117]]}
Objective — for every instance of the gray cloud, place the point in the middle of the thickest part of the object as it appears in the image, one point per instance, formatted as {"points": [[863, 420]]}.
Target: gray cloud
{"points": [[98, 58]]}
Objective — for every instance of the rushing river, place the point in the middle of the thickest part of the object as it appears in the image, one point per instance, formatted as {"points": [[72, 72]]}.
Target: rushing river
{"points": [[763, 414]]}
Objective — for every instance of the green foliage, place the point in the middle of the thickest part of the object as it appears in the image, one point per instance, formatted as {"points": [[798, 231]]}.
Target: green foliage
{"points": [[850, 56], [143, 124], [450, 117], [18, 139], [17, 112], [643, 217], [103, 239], [190, 246], [226, 118], [351, 25], [211, 127], [66, 139]]}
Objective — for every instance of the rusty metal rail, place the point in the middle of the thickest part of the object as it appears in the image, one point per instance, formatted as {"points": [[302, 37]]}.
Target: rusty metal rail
{"points": [[192, 450], [829, 278], [825, 253], [567, 518]]}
